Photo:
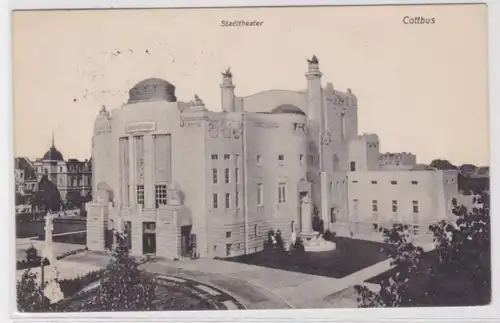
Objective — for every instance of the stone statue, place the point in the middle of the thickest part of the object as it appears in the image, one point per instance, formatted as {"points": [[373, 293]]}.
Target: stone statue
{"points": [[313, 60], [227, 73], [174, 193], [197, 101]]}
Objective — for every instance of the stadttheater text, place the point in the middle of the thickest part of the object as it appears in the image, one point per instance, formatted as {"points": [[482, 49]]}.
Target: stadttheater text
{"points": [[241, 23]]}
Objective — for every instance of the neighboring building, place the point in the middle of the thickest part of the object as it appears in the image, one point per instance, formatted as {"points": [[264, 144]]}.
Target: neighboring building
{"points": [[25, 176], [398, 161], [71, 175], [173, 175]]}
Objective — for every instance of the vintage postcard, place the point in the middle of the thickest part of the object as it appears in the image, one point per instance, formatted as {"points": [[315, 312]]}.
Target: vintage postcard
{"points": [[251, 158]]}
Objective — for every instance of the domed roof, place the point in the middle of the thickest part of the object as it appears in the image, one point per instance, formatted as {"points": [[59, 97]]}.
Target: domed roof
{"points": [[288, 108], [53, 154], [152, 89]]}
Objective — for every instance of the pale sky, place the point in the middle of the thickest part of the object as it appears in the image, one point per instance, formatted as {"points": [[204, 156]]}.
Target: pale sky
{"points": [[421, 88]]}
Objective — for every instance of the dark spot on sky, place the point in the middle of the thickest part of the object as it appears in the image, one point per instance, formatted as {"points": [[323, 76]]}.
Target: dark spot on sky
{"points": [[74, 100], [147, 52]]}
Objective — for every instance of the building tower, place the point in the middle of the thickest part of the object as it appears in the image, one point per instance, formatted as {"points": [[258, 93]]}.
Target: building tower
{"points": [[227, 91]]}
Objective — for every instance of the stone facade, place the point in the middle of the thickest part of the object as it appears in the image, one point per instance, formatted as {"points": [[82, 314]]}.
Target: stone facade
{"points": [[178, 176]]}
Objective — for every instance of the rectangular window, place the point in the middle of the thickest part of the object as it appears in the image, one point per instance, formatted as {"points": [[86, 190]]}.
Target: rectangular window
{"points": [[255, 230], [237, 175], [394, 206], [281, 160], [214, 175], [160, 194], [259, 160], [374, 182], [414, 182], [228, 201], [140, 194], [301, 159], [228, 234], [228, 250], [281, 193], [215, 201], [237, 199], [354, 182], [415, 206], [227, 157], [215, 157], [260, 196], [353, 166], [394, 182], [226, 175], [374, 206]]}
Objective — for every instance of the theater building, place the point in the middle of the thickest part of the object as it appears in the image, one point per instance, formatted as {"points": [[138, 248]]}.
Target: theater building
{"points": [[175, 175]]}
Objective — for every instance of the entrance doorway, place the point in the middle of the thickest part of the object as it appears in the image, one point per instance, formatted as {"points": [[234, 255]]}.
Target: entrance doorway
{"points": [[186, 240], [301, 196], [149, 238]]}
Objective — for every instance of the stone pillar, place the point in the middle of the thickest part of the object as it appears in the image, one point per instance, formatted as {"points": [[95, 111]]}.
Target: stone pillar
{"points": [[149, 188], [97, 219]]}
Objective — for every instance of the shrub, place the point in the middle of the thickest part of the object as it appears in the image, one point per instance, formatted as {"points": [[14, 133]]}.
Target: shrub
{"points": [[329, 236], [70, 287]]}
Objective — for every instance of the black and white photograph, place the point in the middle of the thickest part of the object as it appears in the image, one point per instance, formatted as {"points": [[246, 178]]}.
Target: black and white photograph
{"points": [[260, 158]]}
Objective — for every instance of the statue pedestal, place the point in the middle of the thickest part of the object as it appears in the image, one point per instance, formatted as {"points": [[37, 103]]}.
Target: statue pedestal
{"points": [[318, 244], [52, 290]]}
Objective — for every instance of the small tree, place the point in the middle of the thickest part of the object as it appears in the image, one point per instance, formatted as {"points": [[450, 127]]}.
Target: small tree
{"points": [[32, 256], [123, 286], [29, 294]]}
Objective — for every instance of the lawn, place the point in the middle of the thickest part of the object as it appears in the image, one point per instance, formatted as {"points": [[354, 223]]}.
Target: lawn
{"points": [[350, 256], [173, 297]]}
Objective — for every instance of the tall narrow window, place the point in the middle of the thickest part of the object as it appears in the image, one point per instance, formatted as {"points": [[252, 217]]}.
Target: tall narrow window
{"points": [[415, 206], [140, 194], [260, 196], [259, 160], [343, 126], [237, 175], [237, 199], [331, 187], [301, 159], [226, 175], [394, 206], [282, 193], [228, 201], [255, 230], [353, 166], [374, 206], [160, 194], [124, 171], [214, 175], [139, 153], [215, 201]]}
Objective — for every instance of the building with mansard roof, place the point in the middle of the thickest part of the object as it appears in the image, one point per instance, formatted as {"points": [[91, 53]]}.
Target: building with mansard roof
{"points": [[70, 175], [175, 176]]}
